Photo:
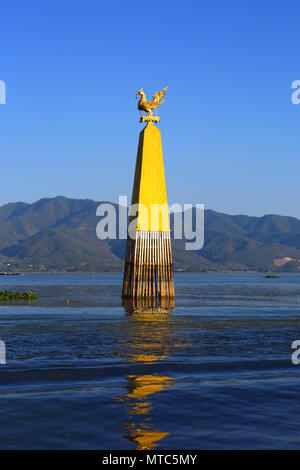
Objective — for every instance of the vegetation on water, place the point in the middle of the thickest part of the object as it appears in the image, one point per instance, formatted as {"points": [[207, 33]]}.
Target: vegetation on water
{"points": [[9, 296]]}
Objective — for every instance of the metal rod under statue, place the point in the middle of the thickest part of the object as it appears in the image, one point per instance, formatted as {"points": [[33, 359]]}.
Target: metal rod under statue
{"points": [[148, 269]]}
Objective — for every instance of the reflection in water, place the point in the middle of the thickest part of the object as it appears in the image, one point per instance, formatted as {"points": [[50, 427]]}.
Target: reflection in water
{"points": [[146, 349]]}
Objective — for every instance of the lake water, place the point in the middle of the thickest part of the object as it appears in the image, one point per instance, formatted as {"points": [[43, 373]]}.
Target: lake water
{"points": [[84, 372]]}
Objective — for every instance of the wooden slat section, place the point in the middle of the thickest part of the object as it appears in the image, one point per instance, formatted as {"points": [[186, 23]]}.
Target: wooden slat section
{"points": [[148, 271]]}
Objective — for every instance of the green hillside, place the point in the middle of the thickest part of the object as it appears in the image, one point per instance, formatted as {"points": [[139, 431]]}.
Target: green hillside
{"points": [[58, 234]]}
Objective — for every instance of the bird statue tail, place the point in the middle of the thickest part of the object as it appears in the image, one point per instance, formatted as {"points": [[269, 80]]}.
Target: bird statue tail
{"points": [[158, 96]]}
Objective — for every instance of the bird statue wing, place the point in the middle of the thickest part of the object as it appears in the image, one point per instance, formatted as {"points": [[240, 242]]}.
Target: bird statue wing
{"points": [[158, 96]]}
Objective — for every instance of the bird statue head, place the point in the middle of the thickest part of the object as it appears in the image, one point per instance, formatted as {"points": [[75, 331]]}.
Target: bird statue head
{"points": [[140, 92]]}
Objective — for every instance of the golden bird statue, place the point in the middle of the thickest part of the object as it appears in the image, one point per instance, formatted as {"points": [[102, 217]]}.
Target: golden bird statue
{"points": [[148, 106]]}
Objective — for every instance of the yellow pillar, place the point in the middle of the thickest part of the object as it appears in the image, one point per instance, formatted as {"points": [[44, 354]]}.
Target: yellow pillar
{"points": [[148, 271], [149, 190]]}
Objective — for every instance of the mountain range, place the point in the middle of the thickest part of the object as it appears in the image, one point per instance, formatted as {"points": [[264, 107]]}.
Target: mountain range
{"points": [[59, 234]]}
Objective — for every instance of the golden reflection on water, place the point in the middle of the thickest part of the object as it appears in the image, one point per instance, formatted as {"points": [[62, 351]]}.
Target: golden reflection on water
{"points": [[140, 388]]}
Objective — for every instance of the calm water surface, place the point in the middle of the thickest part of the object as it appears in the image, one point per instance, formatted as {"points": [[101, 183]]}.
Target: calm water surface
{"points": [[83, 372]]}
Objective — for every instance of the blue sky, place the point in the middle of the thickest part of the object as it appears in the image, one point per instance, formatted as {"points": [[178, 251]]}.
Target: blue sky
{"points": [[230, 131]]}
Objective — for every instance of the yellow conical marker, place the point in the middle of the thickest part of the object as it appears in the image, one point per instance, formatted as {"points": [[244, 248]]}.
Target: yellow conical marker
{"points": [[149, 190]]}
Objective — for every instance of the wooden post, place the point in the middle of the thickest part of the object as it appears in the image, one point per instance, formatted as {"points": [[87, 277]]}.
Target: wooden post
{"points": [[148, 271]]}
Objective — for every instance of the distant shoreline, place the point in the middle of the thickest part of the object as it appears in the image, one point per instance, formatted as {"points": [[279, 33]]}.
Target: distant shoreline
{"points": [[121, 272]]}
